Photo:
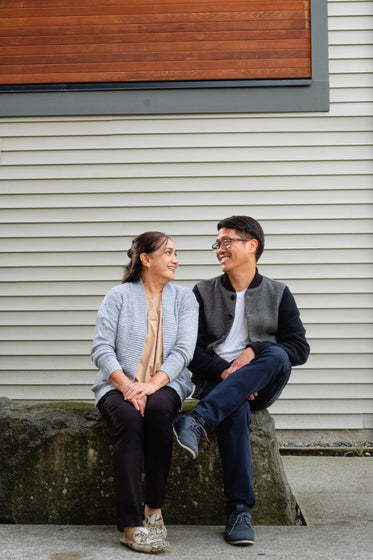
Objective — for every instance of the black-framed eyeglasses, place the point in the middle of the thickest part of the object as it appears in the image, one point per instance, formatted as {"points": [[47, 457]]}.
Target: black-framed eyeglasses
{"points": [[226, 242]]}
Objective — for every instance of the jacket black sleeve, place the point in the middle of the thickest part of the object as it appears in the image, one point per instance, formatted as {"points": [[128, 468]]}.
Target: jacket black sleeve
{"points": [[291, 335]]}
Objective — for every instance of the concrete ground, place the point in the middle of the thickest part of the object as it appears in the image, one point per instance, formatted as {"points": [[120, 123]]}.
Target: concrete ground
{"points": [[335, 495]]}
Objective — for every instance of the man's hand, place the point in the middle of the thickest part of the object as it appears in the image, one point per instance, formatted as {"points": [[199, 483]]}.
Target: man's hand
{"points": [[242, 359]]}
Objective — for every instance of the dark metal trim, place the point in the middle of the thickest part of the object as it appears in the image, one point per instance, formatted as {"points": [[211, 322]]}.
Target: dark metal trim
{"points": [[120, 86]]}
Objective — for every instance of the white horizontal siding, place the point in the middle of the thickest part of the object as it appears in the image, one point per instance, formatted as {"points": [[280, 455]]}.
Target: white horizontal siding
{"points": [[187, 257], [23, 347], [74, 191], [35, 208]]}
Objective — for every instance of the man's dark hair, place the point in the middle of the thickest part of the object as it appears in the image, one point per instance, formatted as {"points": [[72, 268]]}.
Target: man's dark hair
{"points": [[247, 227]]}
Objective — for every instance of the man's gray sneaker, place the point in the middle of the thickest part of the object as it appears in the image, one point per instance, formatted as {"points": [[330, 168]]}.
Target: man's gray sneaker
{"points": [[188, 431], [239, 528]]}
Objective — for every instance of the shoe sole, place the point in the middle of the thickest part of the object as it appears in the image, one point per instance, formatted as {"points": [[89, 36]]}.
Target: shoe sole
{"points": [[188, 449], [139, 548], [241, 542]]}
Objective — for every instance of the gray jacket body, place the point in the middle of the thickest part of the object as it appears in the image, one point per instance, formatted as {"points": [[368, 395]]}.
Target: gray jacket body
{"points": [[272, 319]]}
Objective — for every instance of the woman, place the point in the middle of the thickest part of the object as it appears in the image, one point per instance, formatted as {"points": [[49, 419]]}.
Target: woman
{"points": [[145, 337]]}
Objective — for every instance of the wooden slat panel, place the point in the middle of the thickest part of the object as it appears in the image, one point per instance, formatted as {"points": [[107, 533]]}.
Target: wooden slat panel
{"points": [[53, 42]]}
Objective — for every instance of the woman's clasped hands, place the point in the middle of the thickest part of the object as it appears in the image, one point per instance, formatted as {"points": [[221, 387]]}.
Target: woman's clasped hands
{"points": [[136, 393]]}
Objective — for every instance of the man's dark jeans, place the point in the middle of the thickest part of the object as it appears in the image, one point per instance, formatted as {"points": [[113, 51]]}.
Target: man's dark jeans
{"points": [[224, 406]]}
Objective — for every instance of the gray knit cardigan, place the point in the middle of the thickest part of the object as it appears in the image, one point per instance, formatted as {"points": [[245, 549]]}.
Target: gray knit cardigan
{"points": [[121, 330]]}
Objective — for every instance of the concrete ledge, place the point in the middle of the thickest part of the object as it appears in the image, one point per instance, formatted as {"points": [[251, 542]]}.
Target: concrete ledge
{"points": [[55, 467]]}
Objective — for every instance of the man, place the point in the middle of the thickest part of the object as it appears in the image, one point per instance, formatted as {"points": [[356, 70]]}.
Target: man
{"points": [[250, 335]]}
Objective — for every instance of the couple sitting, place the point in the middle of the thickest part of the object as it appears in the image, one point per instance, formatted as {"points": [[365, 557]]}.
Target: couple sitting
{"points": [[239, 334]]}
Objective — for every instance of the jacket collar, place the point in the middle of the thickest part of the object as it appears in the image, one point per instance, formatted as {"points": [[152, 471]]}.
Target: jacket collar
{"points": [[256, 281]]}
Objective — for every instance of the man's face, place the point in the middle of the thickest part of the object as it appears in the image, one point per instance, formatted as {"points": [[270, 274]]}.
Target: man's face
{"points": [[237, 255]]}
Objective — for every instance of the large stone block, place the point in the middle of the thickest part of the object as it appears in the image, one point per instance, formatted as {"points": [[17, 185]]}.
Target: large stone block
{"points": [[55, 467]]}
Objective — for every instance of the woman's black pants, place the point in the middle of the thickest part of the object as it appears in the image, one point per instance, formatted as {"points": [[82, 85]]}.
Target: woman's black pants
{"points": [[140, 443]]}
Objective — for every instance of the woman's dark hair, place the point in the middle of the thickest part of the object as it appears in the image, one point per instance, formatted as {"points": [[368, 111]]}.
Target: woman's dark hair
{"points": [[248, 227], [147, 242]]}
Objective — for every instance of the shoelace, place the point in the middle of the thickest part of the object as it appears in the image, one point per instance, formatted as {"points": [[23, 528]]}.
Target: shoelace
{"points": [[198, 429], [241, 518]]}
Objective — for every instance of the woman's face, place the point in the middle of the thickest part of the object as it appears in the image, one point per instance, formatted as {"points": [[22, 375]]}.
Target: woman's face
{"points": [[163, 263]]}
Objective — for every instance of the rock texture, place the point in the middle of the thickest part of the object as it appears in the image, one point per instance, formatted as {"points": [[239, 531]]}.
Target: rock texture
{"points": [[55, 467]]}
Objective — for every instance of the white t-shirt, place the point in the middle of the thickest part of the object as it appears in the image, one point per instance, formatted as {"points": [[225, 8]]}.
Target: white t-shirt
{"points": [[238, 336]]}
